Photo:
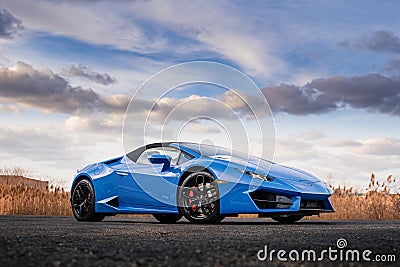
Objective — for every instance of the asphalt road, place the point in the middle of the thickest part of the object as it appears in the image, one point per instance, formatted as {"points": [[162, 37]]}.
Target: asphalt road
{"points": [[137, 241]]}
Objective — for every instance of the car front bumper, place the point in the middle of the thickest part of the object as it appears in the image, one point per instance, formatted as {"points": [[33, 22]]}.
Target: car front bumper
{"points": [[268, 200]]}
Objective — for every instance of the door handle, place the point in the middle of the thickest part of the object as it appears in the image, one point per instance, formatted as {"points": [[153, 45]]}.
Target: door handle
{"points": [[122, 173]]}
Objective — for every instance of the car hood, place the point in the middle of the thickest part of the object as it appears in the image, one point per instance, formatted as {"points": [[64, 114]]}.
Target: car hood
{"points": [[290, 173], [272, 169]]}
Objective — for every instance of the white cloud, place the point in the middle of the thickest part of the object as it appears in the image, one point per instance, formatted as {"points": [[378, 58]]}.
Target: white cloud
{"points": [[372, 92], [49, 92], [312, 135], [344, 143], [233, 37], [43, 144], [90, 22], [9, 25], [198, 128], [98, 124], [347, 161], [85, 72], [56, 151], [383, 146], [10, 108]]}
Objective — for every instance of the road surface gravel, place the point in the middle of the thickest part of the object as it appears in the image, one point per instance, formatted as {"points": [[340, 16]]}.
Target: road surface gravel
{"points": [[142, 241]]}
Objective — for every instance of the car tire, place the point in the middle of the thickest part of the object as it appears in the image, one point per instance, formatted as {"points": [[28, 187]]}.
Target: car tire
{"points": [[83, 202], [167, 218], [287, 219], [198, 198]]}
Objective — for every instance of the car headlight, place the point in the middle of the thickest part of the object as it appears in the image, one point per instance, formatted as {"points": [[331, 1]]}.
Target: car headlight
{"points": [[255, 175]]}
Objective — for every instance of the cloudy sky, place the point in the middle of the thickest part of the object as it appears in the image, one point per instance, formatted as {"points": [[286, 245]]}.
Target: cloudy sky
{"points": [[330, 71]]}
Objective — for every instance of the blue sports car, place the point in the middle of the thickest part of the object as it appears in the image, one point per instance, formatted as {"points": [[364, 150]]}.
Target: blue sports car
{"points": [[203, 183]]}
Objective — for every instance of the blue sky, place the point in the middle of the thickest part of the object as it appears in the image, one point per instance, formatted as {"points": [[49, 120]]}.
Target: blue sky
{"points": [[329, 69]]}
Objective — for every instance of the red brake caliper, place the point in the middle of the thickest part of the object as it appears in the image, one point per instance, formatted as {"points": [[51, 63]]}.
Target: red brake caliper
{"points": [[191, 194]]}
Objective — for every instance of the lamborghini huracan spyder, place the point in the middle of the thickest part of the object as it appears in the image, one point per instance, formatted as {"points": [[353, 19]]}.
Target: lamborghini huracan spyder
{"points": [[203, 183]]}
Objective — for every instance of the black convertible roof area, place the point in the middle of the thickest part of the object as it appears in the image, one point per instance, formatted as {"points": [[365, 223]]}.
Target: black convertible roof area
{"points": [[135, 154]]}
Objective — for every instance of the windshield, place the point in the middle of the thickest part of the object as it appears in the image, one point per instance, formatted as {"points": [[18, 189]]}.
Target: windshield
{"points": [[220, 152]]}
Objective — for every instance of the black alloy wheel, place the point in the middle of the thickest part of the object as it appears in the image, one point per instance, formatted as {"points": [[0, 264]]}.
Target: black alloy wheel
{"points": [[198, 198], [82, 201]]}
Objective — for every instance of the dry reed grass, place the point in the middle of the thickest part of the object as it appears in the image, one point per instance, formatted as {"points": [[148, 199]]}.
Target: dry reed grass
{"points": [[380, 202], [17, 199]]}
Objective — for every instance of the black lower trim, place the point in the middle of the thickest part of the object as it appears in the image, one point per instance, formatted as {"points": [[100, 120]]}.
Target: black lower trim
{"points": [[306, 204]]}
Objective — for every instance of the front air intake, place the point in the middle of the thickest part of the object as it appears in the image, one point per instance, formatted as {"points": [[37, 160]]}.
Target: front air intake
{"points": [[267, 200], [113, 202]]}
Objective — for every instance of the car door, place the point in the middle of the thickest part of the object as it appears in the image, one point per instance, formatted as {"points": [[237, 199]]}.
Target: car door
{"points": [[144, 185]]}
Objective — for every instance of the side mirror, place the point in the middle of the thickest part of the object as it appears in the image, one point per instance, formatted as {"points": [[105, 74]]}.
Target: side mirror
{"points": [[161, 159]]}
